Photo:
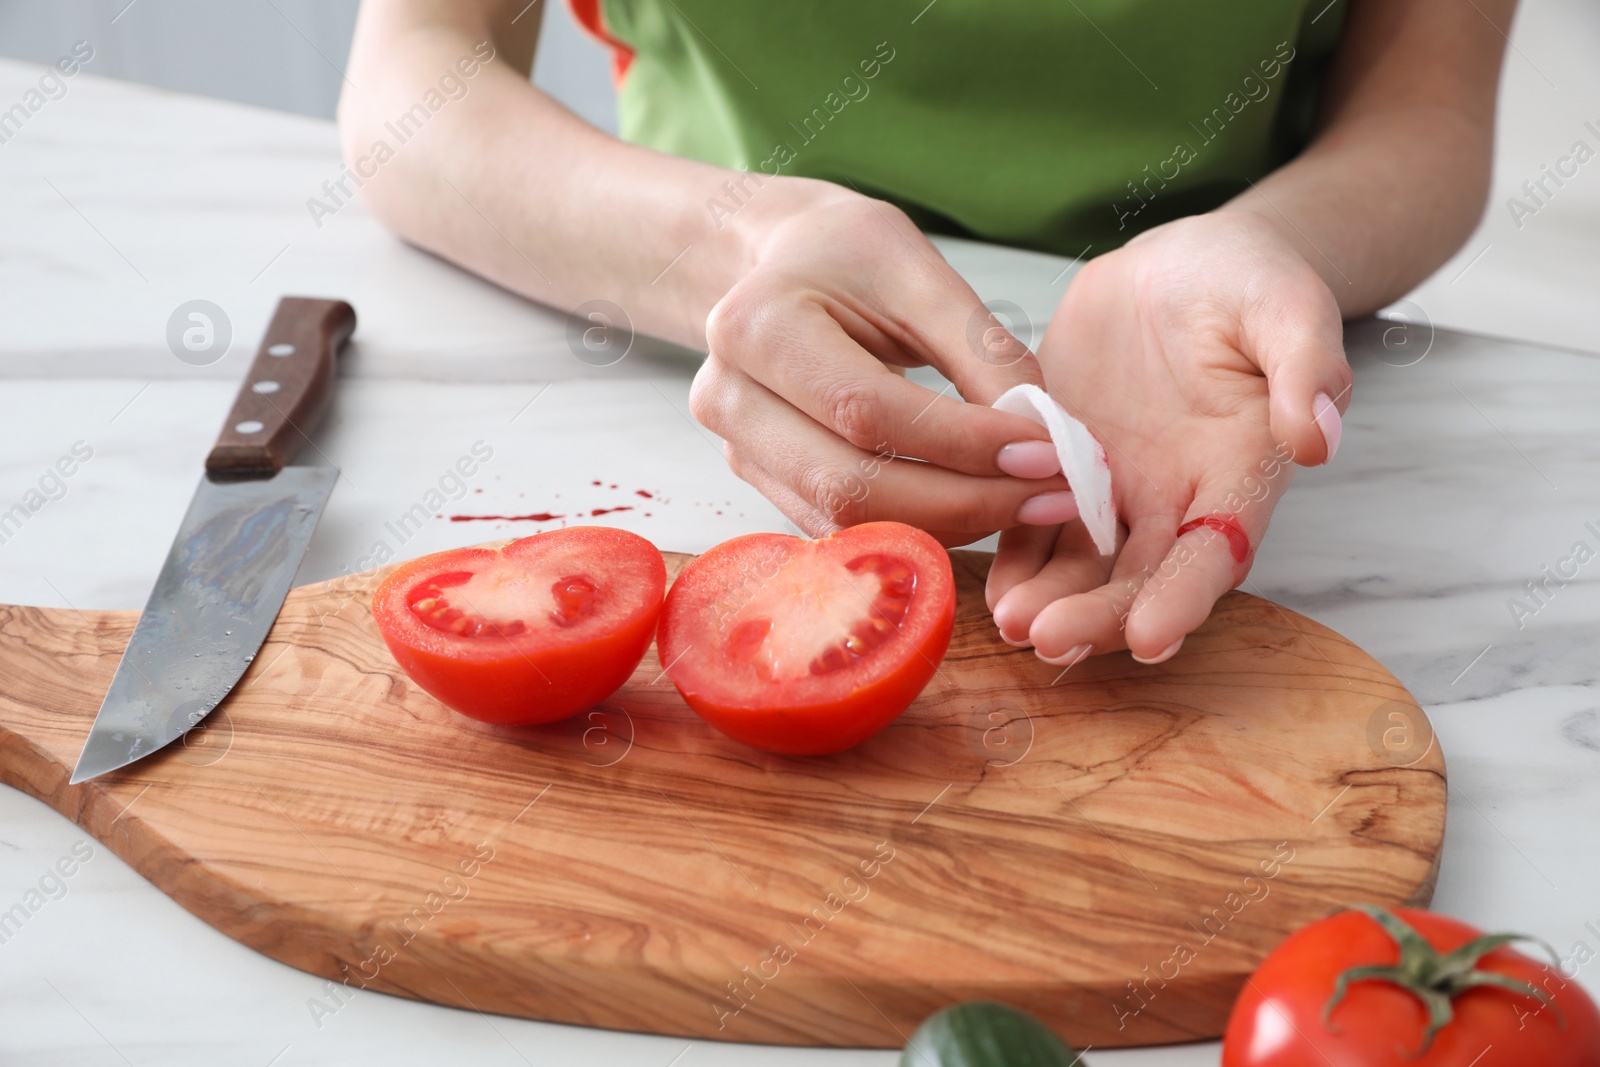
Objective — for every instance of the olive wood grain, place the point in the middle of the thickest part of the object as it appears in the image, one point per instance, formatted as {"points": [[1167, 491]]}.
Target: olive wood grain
{"points": [[1112, 848], [287, 390]]}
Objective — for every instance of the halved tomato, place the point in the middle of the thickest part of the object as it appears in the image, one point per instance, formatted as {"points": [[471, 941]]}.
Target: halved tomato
{"points": [[533, 632], [806, 647]]}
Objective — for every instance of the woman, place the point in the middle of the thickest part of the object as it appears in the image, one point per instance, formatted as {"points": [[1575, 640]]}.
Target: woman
{"points": [[1242, 175]]}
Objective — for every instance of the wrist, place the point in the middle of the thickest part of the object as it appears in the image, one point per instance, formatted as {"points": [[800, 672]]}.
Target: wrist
{"points": [[1256, 216], [733, 231], [748, 232], [775, 204]]}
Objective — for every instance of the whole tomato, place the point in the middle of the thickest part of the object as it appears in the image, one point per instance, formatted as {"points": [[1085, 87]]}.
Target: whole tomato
{"points": [[1372, 988]]}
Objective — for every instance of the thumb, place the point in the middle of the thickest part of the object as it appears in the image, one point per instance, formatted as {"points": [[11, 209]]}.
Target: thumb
{"points": [[983, 349], [1297, 339]]}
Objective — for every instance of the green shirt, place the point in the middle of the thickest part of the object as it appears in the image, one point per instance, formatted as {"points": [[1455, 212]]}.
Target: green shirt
{"points": [[1067, 126]]}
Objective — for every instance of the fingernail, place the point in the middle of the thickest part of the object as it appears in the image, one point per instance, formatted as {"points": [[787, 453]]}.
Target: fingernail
{"points": [[1002, 616], [1070, 658], [1048, 509], [1327, 416], [1029, 459], [1164, 655]]}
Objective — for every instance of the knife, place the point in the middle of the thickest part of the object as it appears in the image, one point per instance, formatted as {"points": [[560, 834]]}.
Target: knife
{"points": [[231, 565]]}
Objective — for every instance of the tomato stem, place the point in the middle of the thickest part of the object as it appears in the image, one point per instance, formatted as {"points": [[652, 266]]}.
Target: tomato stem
{"points": [[1433, 978]]}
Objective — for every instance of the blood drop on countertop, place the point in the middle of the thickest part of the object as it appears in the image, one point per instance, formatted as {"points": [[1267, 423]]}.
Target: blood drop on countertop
{"points": [[542, 516]]}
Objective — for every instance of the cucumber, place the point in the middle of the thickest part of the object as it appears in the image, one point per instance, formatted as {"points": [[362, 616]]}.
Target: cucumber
{"points": [[982, 1033]]}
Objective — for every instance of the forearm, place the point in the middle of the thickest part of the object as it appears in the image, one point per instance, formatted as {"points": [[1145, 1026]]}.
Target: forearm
{"points": [[1374, 219], [510, 185], [1398, 174]]}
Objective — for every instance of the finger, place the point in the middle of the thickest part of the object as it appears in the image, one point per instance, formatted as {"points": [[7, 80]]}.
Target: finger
{"points": [[841, 485], [1211, 555], [953, 331], [933, 313], [814, 520], [1295, 336], [795, 346], [805, 515], [810, 519], [1074, 565], [1022, 553], [1092, 617]]}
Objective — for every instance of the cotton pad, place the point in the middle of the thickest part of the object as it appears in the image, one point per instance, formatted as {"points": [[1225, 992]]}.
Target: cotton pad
{"points": [[1083, 461]]}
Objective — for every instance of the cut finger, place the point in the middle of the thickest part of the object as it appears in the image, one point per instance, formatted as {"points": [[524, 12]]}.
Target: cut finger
{"points": [[1210, 556]]}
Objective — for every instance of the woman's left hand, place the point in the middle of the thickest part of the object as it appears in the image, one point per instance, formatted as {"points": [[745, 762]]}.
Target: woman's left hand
{"points": [[1207, 356]]}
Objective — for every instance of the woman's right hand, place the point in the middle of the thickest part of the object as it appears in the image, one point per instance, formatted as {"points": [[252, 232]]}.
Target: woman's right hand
{"points": [[806, 295], [804, 380]]}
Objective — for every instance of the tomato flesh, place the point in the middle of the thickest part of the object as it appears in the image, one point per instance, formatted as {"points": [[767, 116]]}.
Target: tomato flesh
{"points": [[808, 647], [529, 633]]}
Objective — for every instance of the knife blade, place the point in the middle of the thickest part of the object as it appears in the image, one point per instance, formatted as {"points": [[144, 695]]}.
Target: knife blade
{"points": [[235, 555]]}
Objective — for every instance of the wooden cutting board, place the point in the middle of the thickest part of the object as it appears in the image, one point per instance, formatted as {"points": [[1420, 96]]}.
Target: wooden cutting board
{"points": [[1112, 848]]}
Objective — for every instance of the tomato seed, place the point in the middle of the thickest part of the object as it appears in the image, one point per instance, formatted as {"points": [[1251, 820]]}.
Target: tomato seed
{"points": [[897, 582], [748, 637], [575, 597]]}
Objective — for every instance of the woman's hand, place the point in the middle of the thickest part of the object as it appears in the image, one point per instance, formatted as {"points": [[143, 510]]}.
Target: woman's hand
{"points": [[841, 292], [1207, 356], [818, 292]]}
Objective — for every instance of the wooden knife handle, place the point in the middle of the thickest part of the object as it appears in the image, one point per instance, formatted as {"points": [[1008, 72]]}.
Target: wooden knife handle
{"points": [[287, 390]]}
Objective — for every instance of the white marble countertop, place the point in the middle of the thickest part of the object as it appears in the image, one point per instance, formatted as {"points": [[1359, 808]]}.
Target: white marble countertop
{"points": [[1462, 476]]}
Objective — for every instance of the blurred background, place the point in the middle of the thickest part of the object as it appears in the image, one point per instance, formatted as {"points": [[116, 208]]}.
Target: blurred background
{"points": [[284, 54]]}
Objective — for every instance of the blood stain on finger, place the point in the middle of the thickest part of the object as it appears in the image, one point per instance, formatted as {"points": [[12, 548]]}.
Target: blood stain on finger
{"points": [[1228, 525]]}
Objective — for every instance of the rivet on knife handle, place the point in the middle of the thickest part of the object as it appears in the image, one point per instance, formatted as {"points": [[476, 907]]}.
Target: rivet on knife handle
{"points": [[287, 389]]}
